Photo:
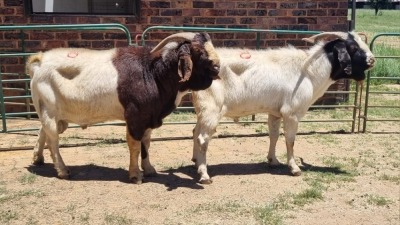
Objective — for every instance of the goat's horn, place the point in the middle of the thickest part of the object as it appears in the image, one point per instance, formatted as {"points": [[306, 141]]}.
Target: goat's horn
{"points": [[174, 37], [326, 36]]}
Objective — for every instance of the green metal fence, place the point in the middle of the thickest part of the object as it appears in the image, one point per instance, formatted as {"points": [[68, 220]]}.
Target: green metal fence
{"points": [[354, 107], [369, 93], [22, 53]]}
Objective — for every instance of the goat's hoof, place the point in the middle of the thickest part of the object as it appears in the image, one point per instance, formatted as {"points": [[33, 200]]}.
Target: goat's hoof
{"points": [[206, 181], [64, 175], [194, 160], [150, 174], [296, 173], [38, 161], [136, 180]]}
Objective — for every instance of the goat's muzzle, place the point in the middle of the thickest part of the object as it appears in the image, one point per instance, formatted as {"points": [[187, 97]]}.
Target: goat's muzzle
{"points": [[215, 71], [370, 62]]}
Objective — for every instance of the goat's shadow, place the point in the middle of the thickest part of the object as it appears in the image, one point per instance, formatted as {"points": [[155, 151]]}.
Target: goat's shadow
{"points": [[170, 178]]}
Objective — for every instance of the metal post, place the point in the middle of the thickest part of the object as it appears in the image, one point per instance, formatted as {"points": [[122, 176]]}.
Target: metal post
{"points": [[353, 15], [2, 106]]}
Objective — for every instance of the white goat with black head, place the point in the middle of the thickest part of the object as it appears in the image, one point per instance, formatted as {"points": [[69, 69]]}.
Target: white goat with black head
{"points": [[283, 82], [138, 85]]}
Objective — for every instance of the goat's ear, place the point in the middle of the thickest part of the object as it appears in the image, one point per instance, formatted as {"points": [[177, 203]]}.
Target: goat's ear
{"points": [[185, 64], [343, 57]]}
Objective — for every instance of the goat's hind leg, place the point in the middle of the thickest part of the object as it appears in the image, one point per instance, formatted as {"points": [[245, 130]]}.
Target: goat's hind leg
{"points": [[290, 125], [38, 158], [52, 129], [134, 151], [274, 124], [148, 169]]}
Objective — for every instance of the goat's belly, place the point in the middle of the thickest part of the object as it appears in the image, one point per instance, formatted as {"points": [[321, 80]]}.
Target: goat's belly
{"points": [[240, 110], [90, 113]]}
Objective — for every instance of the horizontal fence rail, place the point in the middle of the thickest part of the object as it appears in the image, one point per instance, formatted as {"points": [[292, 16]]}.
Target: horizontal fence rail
{"points": [[369, 93]]}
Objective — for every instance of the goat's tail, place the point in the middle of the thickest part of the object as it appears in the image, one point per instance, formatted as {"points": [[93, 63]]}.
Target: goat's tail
{"points": [[33, 63]]}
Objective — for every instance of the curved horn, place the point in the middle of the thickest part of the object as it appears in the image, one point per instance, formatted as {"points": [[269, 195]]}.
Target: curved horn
{"points": [[326, 36], [174, 37]]}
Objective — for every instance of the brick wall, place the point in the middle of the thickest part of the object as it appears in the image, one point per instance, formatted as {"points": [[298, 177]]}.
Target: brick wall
{"points": [[318, 15]]}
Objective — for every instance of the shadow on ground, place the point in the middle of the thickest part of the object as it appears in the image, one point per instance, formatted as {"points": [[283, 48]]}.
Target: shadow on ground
{"points": [[171, 179]]}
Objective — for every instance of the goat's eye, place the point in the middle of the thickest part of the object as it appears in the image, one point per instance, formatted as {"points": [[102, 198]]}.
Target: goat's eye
{"points": [[353, 48]]}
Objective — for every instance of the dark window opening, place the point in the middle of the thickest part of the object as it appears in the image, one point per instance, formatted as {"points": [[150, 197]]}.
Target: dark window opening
{"points": [[82, 7]]}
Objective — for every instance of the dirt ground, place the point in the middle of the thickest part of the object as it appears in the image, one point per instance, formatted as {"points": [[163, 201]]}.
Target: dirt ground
{"points": [[347, 179]]}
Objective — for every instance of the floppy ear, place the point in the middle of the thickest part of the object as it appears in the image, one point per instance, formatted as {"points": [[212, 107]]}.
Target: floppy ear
{"points": [[343, 57], [185, 64]]}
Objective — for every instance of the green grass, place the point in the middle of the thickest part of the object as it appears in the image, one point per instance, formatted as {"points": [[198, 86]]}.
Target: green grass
{"points": [[308, 195], [394, 179], [269, 216], [378, 200], [6, 216], [385, 22], [28, 178], [113, 219]]}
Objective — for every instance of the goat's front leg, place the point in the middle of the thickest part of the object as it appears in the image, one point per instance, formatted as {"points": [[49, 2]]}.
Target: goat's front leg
{"points": [[145, 145], [201, 137], [134, 150], [274, 124], [290, 125]]}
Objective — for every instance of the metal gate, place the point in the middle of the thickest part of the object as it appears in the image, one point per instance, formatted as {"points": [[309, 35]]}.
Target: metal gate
{"points": [[370, 78]]}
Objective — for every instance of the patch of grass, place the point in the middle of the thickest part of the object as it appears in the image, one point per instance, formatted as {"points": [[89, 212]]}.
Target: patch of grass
{"points": [[268, 215], [394, 179], [327, 139], [7, 196], [224, 207], [109, 141], [308, 195], [385, 67], [6, 216], [378, 200], [84, 218], [177, 116], [32, 221], [261, 128], [366, 21], [112, 219], [28, 178]]}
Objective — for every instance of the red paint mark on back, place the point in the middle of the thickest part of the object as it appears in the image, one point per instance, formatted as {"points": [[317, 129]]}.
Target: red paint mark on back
{"points": [[245, 55], [72, 54]]}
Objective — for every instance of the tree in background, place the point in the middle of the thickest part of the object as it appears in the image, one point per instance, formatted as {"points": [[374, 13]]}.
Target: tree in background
{"points": [[379, 4]]}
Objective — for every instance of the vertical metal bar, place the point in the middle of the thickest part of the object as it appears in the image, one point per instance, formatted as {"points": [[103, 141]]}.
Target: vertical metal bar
{"points": [[353, 15], [366, 102], [258, 39], [360, 109], [356, 107], [3, 107]]}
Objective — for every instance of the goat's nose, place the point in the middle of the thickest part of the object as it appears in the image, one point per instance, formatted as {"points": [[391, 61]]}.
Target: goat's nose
{"points": [[371, 61]]}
